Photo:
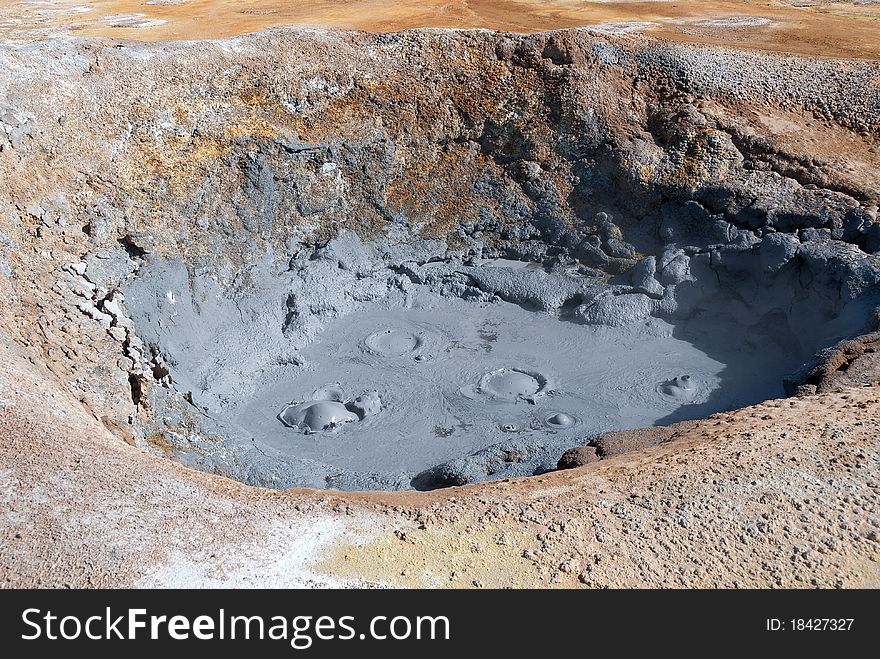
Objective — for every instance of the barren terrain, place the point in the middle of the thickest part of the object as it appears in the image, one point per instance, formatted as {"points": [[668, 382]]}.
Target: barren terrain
{"points": [[813, 27], [224, 156]]}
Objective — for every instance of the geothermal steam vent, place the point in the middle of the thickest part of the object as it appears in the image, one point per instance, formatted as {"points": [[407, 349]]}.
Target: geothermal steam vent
{"points": [[371, 274]]}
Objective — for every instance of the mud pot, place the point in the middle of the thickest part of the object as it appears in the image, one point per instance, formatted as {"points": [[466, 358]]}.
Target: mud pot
{"points": [[427, 259], [356, 369]]}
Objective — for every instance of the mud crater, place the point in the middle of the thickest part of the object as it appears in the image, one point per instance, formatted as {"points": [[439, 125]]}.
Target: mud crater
{"points": [[367, 365]]}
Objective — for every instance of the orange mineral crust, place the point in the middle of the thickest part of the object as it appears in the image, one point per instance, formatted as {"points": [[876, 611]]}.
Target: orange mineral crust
{"points": [[820, 27]]}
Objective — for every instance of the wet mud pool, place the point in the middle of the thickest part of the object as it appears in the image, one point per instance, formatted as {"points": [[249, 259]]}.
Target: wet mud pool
{"points": [[454, 376], [357, 370]]}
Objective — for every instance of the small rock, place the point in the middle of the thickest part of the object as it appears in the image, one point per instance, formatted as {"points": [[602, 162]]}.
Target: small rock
{"points": [[577, 457], [76, 268], [96, 314], [567, 567], [619, 249]]}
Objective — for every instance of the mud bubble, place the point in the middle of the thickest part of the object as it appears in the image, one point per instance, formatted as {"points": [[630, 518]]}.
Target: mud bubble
{"points": [[680, 389], [328, 412], [509, 385], [560, 420]]}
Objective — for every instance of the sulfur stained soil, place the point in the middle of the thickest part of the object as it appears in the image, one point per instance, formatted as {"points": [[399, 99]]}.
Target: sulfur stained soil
{"points": [[820, 27]]}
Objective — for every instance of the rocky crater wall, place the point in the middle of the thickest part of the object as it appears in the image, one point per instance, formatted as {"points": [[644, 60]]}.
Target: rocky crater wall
{"points": [[676, 179]]}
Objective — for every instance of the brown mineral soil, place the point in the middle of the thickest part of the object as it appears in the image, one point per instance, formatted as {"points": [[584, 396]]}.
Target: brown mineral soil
{"points": [[781, 494], [812, 27]]}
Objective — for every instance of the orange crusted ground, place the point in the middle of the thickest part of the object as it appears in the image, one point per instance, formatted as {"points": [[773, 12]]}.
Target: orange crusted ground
{"points": [[820, 27]]}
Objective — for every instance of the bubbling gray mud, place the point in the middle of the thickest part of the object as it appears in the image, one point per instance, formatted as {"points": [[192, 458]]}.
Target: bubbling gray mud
{"points": [[503, 371], [560, 420], [680, 388], [326, 411], [391, 365], [508, 384], [316, 415]]}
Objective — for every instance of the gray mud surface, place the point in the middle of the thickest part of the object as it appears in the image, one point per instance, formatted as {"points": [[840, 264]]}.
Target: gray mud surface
{"points": [[360, 367]]}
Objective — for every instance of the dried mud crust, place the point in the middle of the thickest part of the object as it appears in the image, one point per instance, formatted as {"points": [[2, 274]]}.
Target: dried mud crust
{"points": [[780, 494], [617, 443]]}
